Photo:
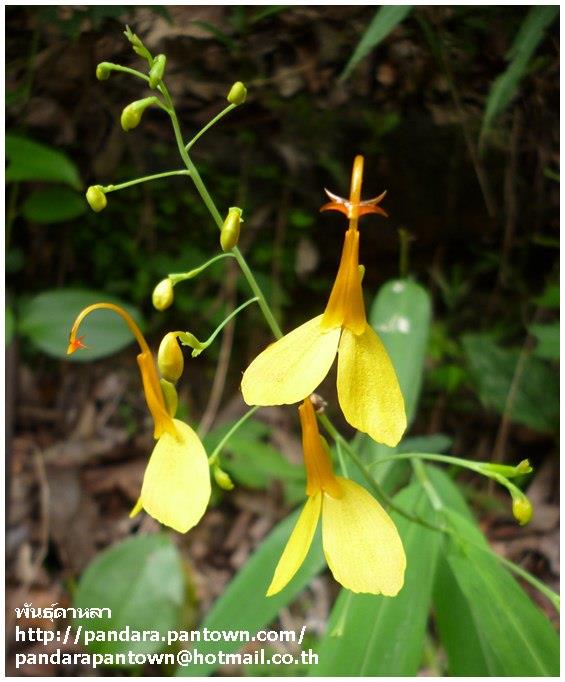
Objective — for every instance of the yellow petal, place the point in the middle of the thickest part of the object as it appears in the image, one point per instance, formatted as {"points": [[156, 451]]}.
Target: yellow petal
{"points": [[291, 368], [361, 543], [298, 544], [368, 389], [176, 486]]}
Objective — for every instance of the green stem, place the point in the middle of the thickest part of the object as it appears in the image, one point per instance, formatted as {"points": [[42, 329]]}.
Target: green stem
{"points": [[216, 452], [211, 206], [373, 483], [341, 458], [126, 69], [146, 178], [422, 476], [177, 277], [219, 328], [209, 125]]}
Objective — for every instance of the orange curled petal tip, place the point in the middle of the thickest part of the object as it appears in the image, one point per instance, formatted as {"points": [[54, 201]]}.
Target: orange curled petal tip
{"points": [[75, 344]]}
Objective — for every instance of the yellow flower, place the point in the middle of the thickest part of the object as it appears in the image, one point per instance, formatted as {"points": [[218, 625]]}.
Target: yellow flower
{"points": [[361, 543], [176, 484], [292, 368]]}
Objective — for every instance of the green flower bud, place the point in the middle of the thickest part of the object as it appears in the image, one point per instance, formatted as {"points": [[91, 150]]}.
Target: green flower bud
{"points": [[522, 509], [157, 71], [96, 198], [524, 467], [237, 93], [163, 295], [103, 71], [170, 359], [222, 479], [229, 236], [171, 397], [131, 115], [361, 269]]}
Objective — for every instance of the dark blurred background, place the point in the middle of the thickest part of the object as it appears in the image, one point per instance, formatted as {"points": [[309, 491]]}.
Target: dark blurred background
{"points": [[480, 208]]}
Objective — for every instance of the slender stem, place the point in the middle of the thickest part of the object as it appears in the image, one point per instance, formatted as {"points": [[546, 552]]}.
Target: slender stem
{"points": [[126, 69], [146, 178], [444, 459], [216, 452], [177, 277], [341, 458], [553, 597], [219, 328], [434, 498], [373, 483], [211, 206], [209, 125]]}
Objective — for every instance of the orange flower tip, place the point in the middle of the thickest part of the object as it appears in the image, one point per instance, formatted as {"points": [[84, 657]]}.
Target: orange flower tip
{"points": [[75, 344]]}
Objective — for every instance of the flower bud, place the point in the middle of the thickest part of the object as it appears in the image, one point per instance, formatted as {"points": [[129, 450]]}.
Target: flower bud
{"points": [[103, 71], [237, 93], [524, 467], [96, 198], [229, 236], [522, 509], [361, 269], [131, 115], [163, 295], [171, 397], [222, 479], [170, 359], [157, 71]]}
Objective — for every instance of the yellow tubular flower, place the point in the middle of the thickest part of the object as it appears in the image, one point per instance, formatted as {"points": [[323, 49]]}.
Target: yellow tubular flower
{"points": [[292, 368], [176, 484], [361, 543]]}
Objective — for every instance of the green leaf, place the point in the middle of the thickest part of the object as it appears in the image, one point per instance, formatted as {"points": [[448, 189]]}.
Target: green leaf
{"points": [[547, 336], [9, 325], [517, 639], [527, 40], [29, 160], [47, 319], [244, 606], [487, 623], [401, 315], [141, 581], [435, 442], [535, 395], [385, 20], [254, 463], [372, 635], [53, 205], [549, 298]]}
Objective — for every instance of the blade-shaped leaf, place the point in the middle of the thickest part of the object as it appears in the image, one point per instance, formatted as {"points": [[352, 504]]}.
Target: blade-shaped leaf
{"points": [[53, 205], [29, 160], [47, 318], [385, 20], [141, 581], [384, 636], [528, 38], [244, 606], [487, 623], [493, 369]]}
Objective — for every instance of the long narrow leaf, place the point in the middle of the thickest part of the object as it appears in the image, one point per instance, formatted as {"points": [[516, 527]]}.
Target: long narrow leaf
{"points": [[505, 87], [384, 21], [384, 636]]}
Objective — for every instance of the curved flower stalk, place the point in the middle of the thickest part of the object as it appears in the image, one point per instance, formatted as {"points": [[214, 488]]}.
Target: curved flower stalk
{"points": [[292, 368], [361, 543], [176, 484]]}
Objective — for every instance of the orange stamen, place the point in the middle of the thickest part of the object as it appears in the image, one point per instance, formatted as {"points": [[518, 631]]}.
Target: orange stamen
{"points": [[354, 207], [75, 344]]}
